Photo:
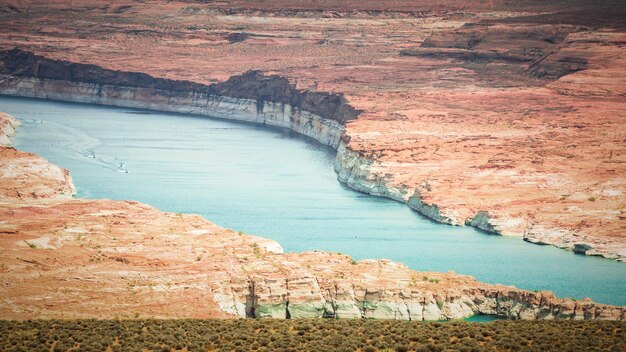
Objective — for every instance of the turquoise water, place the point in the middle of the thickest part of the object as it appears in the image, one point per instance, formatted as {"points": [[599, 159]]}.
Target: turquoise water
{"points": [[272, 183], [483, 318]]}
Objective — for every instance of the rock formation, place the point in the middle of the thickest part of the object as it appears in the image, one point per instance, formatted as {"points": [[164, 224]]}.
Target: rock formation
{"points": [[28, 177], [70, 258], [8, 124], [508, 118], [251, 96]]}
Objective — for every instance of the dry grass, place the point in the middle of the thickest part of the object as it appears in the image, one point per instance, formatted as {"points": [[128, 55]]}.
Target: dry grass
{"points": [[309, 335]]}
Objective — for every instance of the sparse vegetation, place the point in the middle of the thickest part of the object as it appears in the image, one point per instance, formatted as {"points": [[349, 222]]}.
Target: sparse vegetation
{"points": [[256, 250], [309, 335]]}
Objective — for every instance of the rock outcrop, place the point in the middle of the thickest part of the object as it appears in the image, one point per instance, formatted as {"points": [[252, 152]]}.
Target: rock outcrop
{"points": [[252, 96], [28, 177], [364, 175], [272, 100], [515, 111], [537, 46], [8, 124], [523, 39], [70, 258]]}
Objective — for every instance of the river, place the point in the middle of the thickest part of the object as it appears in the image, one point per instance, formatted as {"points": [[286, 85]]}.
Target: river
{"points": [[273, 183]]}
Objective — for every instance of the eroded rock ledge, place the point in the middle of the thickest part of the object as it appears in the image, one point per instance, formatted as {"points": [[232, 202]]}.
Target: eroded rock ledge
{"points": [[67, 258], [252, 96], [274, 101]]}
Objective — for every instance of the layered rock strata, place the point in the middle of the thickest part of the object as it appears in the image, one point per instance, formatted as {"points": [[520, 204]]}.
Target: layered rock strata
{"points": [[251, 97], [68, 258], [541, 163], [504, 115], [497, 43], [363, 174], [272, 100]]}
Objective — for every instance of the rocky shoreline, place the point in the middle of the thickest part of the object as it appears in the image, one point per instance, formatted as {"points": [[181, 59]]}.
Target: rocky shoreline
{"points": [[254, 97], [357, 172], [363, 174], [7, 130], [29, 75], [70, 258], [251, 97]]}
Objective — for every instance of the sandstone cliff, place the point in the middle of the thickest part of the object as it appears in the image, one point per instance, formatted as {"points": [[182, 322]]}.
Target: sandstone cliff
{"points": [[69, 258], [253, 85], [508, 118], [517, 161], [251, 96]]}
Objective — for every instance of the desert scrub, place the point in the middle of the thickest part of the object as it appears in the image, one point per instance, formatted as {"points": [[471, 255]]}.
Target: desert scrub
{"points": [[309, 335]]}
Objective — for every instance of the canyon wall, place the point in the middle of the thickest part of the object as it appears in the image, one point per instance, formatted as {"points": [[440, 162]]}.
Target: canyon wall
{"points": [[128, 259], [381, 289], [251, 97], [363, 174], [272, 100], [79, 258]]}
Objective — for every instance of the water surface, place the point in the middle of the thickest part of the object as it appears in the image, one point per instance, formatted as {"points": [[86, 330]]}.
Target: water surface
{"points": [[481, 318], [272, 183]]}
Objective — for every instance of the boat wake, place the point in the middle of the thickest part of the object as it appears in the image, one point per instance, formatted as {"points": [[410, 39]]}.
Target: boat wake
{"points": [[80, 145]]}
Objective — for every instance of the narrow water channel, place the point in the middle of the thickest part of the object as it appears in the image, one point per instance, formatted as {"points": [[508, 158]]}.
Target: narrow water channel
{"points": [[272, 183]]}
